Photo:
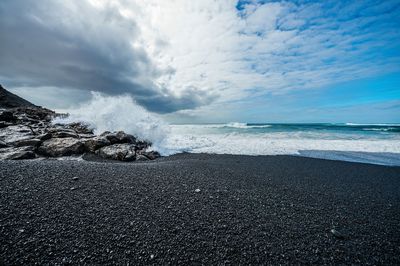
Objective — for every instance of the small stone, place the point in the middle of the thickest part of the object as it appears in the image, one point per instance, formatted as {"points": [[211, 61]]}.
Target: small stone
{"points": [[151, 256], [21, 230], [338, 234], [75, 178], [73, 188], [197, 190]]}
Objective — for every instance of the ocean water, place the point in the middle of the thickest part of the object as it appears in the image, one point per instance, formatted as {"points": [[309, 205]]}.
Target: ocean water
{"points": [[374, 143], [369, 143]]}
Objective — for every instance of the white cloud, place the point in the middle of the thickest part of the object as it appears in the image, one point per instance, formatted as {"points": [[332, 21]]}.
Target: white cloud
{"points": [[271, 48], [209, 51]]}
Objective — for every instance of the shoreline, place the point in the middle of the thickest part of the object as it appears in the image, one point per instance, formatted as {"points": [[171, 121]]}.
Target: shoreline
{"points": [[199, 208], [309, 154]]}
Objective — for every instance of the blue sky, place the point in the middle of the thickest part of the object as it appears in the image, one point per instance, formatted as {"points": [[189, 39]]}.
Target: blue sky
{"points": [[209, 61], [369, 100]]}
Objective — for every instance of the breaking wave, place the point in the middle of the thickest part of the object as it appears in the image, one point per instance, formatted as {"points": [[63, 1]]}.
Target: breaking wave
{"points": [[114, 113], [244, 125]]}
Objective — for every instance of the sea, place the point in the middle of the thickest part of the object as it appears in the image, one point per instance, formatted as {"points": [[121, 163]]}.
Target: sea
{"points": [[366, 143]]}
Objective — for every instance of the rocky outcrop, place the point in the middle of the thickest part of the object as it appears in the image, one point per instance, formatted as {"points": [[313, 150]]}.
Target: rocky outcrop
{"points": [[27, 132], [10, 100]]}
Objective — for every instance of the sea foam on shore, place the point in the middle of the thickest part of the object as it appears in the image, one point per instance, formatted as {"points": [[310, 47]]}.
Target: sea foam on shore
{"points": [[373, 143]]}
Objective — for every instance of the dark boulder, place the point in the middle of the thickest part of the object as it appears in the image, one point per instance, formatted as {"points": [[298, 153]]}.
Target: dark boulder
{"points": [[57, 147], [140, 157], [80, 128], [27, 142], [96, 143], [119, 137], [5, 124], [151, 154], [120, 152], [3, 144], [17, 153], [7, 116]]}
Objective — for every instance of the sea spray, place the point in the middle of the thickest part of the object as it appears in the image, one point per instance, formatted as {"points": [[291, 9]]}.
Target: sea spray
{"points": [[114, 113]]}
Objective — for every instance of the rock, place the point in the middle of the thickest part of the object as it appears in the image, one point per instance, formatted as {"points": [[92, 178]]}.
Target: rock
{"points": [[3, 144], [75, 178], [337, 234], [27, 142], [150, 154], [121, 152], [86, 136], [5, 124], [44, 136], [15, 133], [64, 134], [142, 145], [197, 190], [9, 100], [140, 157], [17, 153], [57, 147], [96, 143], [37, 113], [80, 128], [119, 137], [27, 129], [7, 116]]}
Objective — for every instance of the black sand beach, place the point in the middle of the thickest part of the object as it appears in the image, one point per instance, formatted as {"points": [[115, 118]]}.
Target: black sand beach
{"points": [[199, 209]]}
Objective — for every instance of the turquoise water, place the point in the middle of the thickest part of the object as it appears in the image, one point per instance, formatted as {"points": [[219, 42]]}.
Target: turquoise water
{"points": [[372, 143], [373, 130]]}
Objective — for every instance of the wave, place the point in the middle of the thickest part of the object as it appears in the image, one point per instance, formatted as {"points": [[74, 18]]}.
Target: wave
{"points": [[384, 129], [383, 125], [275, 143], [244, 125], [114, 113]]}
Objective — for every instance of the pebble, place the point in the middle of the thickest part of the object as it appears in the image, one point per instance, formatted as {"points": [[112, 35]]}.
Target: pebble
{"points": [[75, 178], [197, 190], [338, 234]]}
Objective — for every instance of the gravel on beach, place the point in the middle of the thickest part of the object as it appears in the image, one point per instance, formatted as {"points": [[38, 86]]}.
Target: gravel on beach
{"points": [[199, 209]]}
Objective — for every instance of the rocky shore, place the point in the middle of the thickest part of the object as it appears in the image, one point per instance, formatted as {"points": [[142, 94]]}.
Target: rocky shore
{"points": [[27, 132]]}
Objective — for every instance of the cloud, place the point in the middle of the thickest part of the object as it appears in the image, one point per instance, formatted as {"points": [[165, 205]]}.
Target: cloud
{"points": [[270, 48], [76, 45], [196, 57]]}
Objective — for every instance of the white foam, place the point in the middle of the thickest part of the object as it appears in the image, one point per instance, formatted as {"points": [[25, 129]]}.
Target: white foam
{"points": [[114, 113], [191, 138], [273, 143], [355, 124], [243, 125]]}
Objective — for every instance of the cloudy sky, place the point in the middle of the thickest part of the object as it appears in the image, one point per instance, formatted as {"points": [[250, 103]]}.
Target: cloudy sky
{"points": [[209, 60]]}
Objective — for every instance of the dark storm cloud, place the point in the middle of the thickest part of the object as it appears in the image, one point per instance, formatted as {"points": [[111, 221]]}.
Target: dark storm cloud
{"points": [[73, 45]]}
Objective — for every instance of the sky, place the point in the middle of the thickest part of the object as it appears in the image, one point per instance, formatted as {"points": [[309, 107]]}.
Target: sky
{"points": [[209, 60]]}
